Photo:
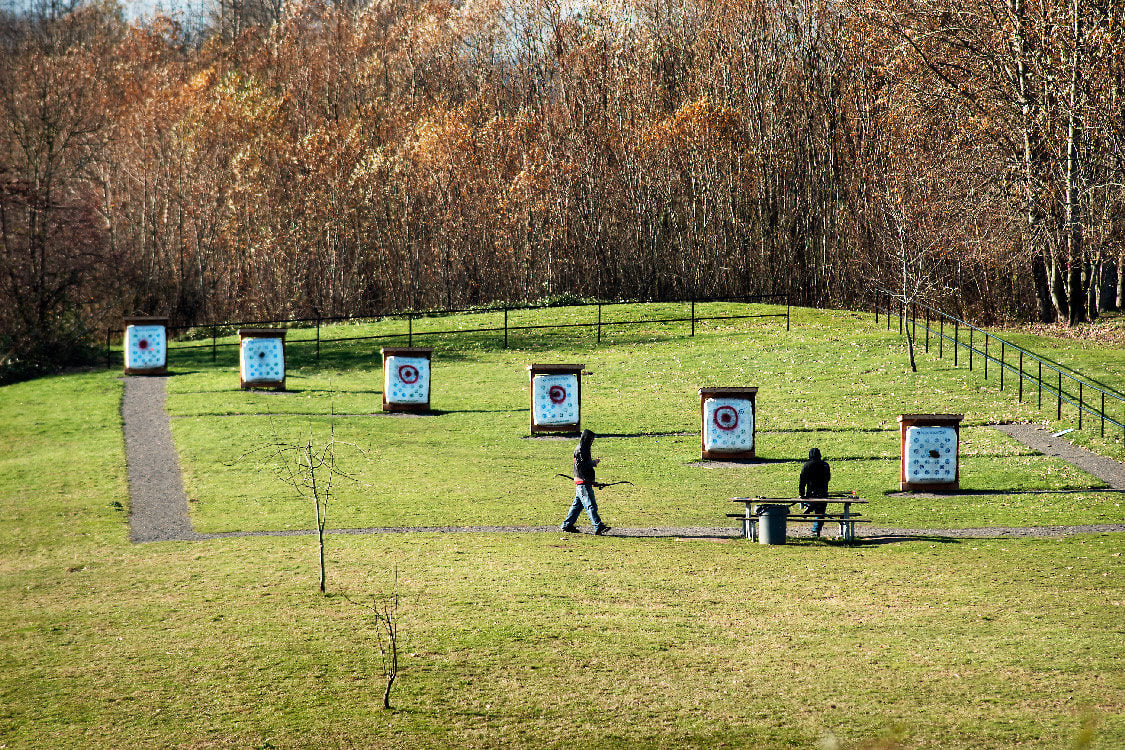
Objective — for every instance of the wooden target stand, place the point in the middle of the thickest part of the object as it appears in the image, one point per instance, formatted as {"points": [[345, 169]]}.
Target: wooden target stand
{"points": [[561, 373], [416, 403], [733, 395], [246, 379], [139, 322], [948, 421]]}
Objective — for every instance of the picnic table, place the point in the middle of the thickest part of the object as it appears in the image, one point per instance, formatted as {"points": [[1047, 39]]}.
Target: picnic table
{"points": [[845, 517]]}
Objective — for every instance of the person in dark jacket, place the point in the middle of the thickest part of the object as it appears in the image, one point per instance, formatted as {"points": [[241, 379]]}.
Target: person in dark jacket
{"points": [[584, 487], [815, 475]]}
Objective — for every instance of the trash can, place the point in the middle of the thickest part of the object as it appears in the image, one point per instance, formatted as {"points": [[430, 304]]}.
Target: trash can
{"points": [[771, 523]]}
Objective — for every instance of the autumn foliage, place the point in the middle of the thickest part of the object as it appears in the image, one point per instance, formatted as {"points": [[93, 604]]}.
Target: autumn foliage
{"points": [[320, 158]]}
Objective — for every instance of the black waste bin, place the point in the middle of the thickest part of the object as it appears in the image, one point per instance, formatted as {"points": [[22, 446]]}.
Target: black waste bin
{"points": [[771, 523]]}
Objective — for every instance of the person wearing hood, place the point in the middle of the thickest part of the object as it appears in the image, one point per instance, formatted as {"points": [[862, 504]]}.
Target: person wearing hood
{"points": [[584, 487], [815, 475]]}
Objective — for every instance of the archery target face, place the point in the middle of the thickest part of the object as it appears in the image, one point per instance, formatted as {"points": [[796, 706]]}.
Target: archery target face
{"points": [[555, 399], [931, 455], [406, 380], [262, 360], [145, 347], [728, 425]]}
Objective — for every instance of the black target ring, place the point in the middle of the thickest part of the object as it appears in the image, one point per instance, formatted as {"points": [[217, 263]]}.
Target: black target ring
{"points": [[408, 374], [726, 418]]}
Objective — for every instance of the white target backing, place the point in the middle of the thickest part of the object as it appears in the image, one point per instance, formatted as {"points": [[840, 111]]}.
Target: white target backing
{"points": [[406, 380], [262, 360], [554, 399], [728, 425], [931, 455], [146, 347]]}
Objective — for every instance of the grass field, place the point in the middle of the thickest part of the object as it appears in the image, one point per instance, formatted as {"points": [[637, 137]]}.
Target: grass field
{"points": [[551, 640]]}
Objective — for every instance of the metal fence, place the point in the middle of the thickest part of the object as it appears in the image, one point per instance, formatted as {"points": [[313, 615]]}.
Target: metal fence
{"points": [[1082, 395], [198, 338]]}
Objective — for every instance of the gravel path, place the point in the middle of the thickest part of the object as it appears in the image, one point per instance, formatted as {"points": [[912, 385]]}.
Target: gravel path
{"points": [[158, 510], [158, 504], [1039, 438]]}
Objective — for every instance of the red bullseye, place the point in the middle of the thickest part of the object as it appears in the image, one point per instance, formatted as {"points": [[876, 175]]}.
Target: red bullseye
{"points": [[557, 394], [142, 344], [408, 374], [726, 418]]}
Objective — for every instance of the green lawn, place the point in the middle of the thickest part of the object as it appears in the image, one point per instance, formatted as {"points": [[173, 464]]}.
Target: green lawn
{"points": [[551, 640]]}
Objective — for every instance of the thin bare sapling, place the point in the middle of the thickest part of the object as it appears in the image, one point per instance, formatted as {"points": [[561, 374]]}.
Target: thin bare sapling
{"points": [[312, 470], [383, 609]]}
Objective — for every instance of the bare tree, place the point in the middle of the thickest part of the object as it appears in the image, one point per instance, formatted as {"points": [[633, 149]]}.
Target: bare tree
{"points": [[311, 470], [384, 610]]}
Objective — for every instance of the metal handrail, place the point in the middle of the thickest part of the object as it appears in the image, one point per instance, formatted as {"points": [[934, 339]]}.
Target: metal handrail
{"points": [[1083, 381]]}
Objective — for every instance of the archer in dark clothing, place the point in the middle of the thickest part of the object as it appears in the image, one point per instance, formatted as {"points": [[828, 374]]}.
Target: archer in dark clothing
{"points": [[815, 475], [584, 487]]}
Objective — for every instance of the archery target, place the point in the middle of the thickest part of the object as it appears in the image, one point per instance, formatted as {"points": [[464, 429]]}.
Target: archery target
{"points": [[555, 399], [728, 425], [262, 360], [406, 380], [146, 347], [931, 455]]}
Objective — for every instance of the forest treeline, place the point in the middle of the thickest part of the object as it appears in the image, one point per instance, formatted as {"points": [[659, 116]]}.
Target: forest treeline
{"points": [[311, 157]]}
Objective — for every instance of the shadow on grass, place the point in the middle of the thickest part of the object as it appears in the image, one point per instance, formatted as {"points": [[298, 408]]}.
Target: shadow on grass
{"points": [[712, 464], [829, 429], [645, 434], [878, 541], [988, 493]]}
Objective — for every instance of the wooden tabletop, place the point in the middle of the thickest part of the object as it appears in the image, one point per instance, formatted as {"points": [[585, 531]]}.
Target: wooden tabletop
{"points": [[794, 500]]}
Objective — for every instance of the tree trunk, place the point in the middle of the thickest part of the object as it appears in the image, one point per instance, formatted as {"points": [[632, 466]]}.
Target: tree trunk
{"points": [[1042, 290], [1059, 297], [1077, 312], [1121, 281]]}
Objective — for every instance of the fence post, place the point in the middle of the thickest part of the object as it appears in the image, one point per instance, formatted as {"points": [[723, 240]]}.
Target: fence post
{"points": [[927, 327], [970, 348], [1080, 404], [986, 337], [1059, 415], [1103, 413], [214, 344], [1040, 404], [409, 329], [956, 341], [1020, 376], [505, 326], [787, 311], [693, 316], [941, 338], [1003, 346], [599, 322], [318, 339], [876, 307]]}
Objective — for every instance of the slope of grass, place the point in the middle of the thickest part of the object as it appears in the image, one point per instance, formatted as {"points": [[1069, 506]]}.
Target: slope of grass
{"points": [[548, 640], [835, 382]]}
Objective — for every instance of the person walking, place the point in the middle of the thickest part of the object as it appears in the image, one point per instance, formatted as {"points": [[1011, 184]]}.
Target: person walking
{"points": [[815, 475], [584, 487]]}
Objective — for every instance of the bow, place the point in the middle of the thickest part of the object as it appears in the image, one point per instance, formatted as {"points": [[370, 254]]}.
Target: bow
{"points": [[598, 485]]}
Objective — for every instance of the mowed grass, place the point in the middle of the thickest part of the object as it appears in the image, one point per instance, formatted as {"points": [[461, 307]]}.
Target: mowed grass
{"points": [[551, 640], [835, 381]]}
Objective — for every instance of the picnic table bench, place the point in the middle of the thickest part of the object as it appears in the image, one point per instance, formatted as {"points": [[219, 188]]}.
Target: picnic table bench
{"points": [[845, 518]]}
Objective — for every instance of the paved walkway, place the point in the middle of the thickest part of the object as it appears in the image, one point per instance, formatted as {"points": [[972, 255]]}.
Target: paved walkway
{"points": [[159, 510]]}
